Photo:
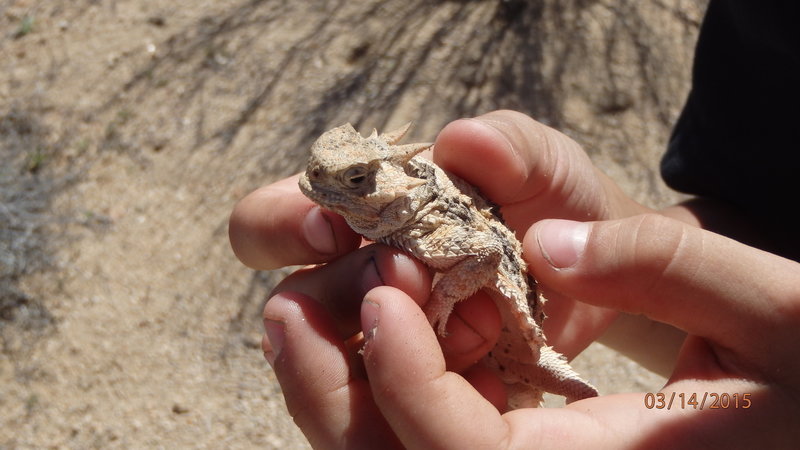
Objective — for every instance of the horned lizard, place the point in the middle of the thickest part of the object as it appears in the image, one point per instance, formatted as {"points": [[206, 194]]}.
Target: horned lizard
{"points": [[389, 194]]}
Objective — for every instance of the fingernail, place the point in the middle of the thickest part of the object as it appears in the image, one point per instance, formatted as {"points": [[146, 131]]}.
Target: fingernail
{"points": [[468, 338], [318, 231], [369, 319], [371, 277], [498, 129], [562, 241], [276, 334]]}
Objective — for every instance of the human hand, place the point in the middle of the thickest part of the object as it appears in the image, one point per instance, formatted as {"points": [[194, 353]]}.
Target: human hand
{"points": [[531, 170], [740, 307], [535, 172]]}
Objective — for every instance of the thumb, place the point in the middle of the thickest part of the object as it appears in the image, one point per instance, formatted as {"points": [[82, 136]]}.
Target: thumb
{"points": [[531, 170], [698, 281]]}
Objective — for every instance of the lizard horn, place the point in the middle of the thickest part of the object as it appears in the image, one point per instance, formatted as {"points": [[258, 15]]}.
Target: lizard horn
{"points": [[404, 153], [393, 137], [374, 134]]}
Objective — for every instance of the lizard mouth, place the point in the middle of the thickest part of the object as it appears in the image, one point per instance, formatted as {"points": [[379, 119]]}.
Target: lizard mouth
{"points": [[305, 185], [319, 194]]}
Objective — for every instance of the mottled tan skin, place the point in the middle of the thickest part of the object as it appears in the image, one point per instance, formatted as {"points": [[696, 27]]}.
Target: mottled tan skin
{"points": [[389, 194]]}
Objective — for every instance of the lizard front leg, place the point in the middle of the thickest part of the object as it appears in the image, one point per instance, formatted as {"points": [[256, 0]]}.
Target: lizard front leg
{"points": [[463, 279]]}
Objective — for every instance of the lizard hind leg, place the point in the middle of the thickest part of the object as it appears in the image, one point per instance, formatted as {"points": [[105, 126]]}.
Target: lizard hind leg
{"points": [[459, 282]]}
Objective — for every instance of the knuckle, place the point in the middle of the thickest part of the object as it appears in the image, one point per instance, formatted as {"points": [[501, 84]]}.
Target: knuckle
{"points": [[657, 238], [290, 282], [658, 243]]}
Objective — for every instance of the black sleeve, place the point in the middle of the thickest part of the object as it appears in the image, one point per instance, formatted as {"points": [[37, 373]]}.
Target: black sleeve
{"points": [[738, 137]]}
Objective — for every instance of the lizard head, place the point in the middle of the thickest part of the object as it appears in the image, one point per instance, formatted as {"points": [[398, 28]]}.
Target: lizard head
{"points": [[358, 176]]}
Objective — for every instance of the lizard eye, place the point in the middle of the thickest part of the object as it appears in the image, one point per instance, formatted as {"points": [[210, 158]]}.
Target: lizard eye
{"points": [[355, 176]]}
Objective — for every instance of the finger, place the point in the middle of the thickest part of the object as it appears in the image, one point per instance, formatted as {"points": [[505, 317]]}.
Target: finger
{"points": [[698, 281], [426, 406], [530, 169], [571, 326], [311, 364], [488, 385], [341, 284], [472, 331], [278, 226]]}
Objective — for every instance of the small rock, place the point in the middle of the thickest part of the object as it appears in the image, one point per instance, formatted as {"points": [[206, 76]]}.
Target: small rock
{"points": [[179, 409], [157, 21]]}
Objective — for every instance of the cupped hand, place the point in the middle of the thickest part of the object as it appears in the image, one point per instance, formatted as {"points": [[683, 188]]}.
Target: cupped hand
{"points": [[530, 170], [736, 383], [535, 172]]}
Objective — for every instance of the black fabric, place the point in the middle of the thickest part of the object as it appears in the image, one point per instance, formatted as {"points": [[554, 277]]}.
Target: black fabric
{"points": [[738, 137]]}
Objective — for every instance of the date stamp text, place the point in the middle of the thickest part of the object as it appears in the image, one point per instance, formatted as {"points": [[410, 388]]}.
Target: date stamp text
{"points": [[695, 400]]}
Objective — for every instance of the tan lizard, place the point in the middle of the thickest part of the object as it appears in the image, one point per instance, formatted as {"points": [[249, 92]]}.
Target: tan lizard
{"points": [[389, 194]]}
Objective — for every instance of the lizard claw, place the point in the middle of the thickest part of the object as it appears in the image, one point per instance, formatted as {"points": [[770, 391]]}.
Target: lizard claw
{"points": [[438, 321]]}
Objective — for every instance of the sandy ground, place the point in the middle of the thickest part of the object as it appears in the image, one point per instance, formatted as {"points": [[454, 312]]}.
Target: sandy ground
{"points": [[129, 128]]}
